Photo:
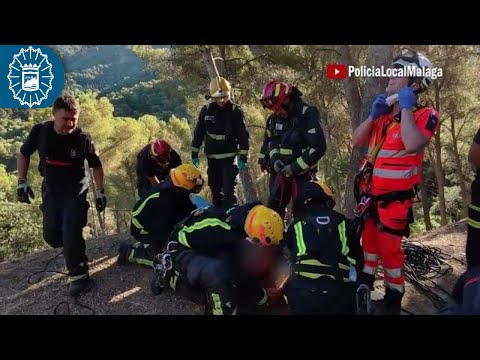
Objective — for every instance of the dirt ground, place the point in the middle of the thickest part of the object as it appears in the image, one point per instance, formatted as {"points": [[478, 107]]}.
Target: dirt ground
{"points": [[126, 290]]}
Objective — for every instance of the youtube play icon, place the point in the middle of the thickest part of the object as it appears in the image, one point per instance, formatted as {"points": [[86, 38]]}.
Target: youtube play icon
{"points": [[336, 71]]}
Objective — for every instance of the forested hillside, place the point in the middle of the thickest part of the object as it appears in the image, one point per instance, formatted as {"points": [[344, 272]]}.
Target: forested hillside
{"points": [[133, 94]]}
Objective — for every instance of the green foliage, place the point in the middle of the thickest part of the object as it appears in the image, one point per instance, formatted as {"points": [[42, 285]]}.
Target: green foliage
{"points": [[20, 230], [154, 97]]}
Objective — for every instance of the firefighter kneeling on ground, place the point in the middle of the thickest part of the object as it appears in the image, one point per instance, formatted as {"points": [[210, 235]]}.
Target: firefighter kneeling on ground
{"points": [[385, 186], [155, 215], [324, 247], [207, 258]]}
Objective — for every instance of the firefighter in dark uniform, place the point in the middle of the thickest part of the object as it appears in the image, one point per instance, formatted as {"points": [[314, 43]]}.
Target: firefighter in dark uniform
{"points": [[263, 157], [154, 162], [213, 250], [63, 148], [296, 142], [465, 294], [324, 248], [157, 212], [221, 124], [473, 238]]}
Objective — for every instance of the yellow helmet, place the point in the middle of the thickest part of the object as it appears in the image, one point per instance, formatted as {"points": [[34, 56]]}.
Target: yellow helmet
{"points": [[264, 225], [188, 177], [220, 87], [326, 188]]}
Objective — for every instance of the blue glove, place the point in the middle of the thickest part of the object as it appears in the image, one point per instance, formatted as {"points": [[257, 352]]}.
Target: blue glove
{"points": [[241, 165], [379, 107], [196, 162], [407, 98]]}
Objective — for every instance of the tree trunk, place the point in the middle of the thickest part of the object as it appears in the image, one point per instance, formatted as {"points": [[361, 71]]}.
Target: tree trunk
{"points": [[245, 176], [378, 55], [459, 169], [438, 167], [425, 204]]}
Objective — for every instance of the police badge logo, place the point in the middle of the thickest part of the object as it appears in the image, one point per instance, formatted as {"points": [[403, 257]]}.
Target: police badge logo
{"points": [[73, 153], [30, 76]]}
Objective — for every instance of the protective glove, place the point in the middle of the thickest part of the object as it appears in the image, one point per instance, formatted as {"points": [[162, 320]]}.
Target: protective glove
{"points": [[407, 98], [196, 162], [241, 165], [278, 165], [101, 200], [287, 170], [24, 192], [379, 106]]}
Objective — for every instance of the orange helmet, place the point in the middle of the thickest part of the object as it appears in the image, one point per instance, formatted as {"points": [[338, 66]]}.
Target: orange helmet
{"points": [[264, 225], [188, 177], [274, 94]]}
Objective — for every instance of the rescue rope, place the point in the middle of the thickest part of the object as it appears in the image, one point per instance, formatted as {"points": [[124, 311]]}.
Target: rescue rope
{"points": [[423, 264], [55, 310]]}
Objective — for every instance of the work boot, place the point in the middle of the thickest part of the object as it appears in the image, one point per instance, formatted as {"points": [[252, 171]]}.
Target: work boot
{"points": [[124, 251], [81, 286], [367, 279], [392, 302]]}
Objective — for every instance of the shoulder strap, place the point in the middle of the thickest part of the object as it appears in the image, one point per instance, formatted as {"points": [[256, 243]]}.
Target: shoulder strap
{"points": [[373, 155]]}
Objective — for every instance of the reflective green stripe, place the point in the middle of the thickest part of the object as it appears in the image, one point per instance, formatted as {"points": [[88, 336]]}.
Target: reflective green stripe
{"points": [[351, 260], [217, 305], [78, 277], [173, 280], [303, 165], [143, 232], [261, 156], [131, 257], [313, 262], [314, 275], [284, 151], [137, 224], [194, 149], [216, 137], [343, 238], [243, 152], [142, 261], [273, 152], [299, 236], [264, 299], [198, 226], [473, 207], [142, 205], [221, 156], [182, 239], [343, 267], [473, 223]]}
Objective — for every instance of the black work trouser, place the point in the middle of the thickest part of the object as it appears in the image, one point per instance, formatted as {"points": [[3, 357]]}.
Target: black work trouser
{"points": [[64, 217], [204, 279], [324, 296], [472, 249], [222, 175], [283, 188]]}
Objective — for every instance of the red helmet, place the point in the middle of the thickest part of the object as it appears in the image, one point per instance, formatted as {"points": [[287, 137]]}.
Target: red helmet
{"points": [[160, 151], [274, 94]]}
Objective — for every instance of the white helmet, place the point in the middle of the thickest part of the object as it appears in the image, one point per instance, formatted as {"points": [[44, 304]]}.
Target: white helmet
{"points": [[411, 58]]}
